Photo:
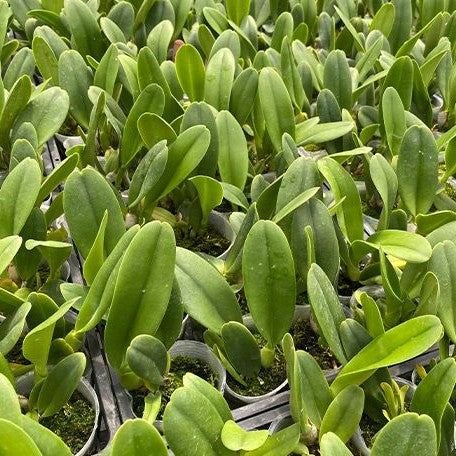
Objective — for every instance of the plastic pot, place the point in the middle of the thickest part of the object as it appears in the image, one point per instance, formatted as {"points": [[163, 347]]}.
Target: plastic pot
{"points": [[195, 350], [68, 141], [301, 311], [25, 384]]}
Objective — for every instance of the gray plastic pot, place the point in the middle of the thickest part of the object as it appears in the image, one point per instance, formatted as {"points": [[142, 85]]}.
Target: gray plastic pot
{"points": [[301, 311], [199, 351], [25, 384]]}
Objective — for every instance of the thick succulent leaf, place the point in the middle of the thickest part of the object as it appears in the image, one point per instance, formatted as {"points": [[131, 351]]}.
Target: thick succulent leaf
{"points": [[86, 197], [206, 295], [403, 342], [269, 280], [276, 106], [344, 413], [60, 384], [434, 391], [405, 435], [417, 169], [145, 281], [15, 441], [190, 71], [327, 308], [136, 438], [233, 156], [16, 198], [235, 438], [148, 359]]}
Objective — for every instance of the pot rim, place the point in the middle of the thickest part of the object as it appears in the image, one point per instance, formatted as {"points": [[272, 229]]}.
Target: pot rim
{"points": [[25, 383]]}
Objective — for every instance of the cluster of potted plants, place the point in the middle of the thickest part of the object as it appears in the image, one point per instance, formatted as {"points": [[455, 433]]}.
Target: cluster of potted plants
{"points": [[261, 195]]}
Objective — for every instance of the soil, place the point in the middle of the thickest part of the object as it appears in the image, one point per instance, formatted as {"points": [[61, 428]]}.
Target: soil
{"points": [[74, 423], [210, 242], [224, 207], [180, 365], [369, 429], [346, 287], [306, 339], [15, 355]]}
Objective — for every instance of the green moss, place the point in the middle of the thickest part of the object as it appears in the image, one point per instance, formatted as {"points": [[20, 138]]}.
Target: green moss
{"points": [[450, 191], [180, 365], [74, 423], [210, 242], [369, 429], [306, 339]]}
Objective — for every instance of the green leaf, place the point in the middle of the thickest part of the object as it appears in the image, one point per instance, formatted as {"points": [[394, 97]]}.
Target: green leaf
{"points": [[443, 265], [405, 245], [106, 73], [241, 349], [403, 342], [393, 118], [46, 112], [331, 444], [233, 155], [76, 78], [219, 79], [17, 200], [99, 297], [58, 175], [21, 64], [154, 129], [385, 181], [9, 246], [96, 256], [148, 359], [137, 438], [405, 435], [45, 439], [283, 442], [234, 195], [15, 441], [236, 439], [10, 408], [327, 309], [184, 155], [294, 204], [210, 194], [145, 280], [84, 29], [190, 71], [37, 342], [344, 413], [276, 106], [151, 99], [243, 94], [60, 384], [438, 385], [269, 280], [417, 170], [337, 78], [85, 198], [311, 133], [159, 39], [349, 214], [148, 173], [190, 414], [206, 295], [11, 328], [237, 10]]}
